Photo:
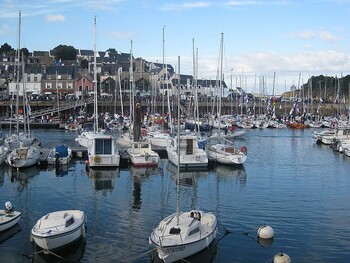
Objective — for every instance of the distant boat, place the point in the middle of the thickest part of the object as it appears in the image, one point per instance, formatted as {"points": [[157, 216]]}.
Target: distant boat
{"points": [[190, 154], [142, 155], [61, 154], [58, 229], [23, 157], [103, 152], [8, 217]]}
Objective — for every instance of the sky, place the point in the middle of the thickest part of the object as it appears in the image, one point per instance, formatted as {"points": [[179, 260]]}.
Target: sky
{"points": [[268, 45]]}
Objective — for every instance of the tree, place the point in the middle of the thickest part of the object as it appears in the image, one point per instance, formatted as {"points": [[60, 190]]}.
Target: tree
{"points": [[64, 52], [6, 49]]}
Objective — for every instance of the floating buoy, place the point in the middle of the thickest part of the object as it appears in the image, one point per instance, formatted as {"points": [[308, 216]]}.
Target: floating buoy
{"points": [[265, 232], [281, 258]]}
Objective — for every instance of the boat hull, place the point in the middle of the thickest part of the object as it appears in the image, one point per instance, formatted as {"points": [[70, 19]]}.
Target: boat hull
{"points": [[173, 247], [52, 237], [8, 219]]}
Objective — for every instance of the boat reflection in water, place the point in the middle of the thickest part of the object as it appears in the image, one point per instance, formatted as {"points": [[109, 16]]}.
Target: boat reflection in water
{"points": [[189, 176], [23, 176], [103, 178], [140, 174], [227, 172], [71, 253], [61, 170], [207, 255], [7, 234]]}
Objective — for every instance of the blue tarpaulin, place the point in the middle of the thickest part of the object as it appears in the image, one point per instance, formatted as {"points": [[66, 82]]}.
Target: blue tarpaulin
{"points": [[62, 150]]}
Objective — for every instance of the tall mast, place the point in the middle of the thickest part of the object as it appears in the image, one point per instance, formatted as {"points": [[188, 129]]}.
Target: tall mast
{"points": [[18, 58], [95, 81], [178, 144], [163, 78]]}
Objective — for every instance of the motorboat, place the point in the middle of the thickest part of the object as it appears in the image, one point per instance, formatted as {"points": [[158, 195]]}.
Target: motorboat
{"points": [[60, 154], [8, 217], [142, 155], [103, 152], [23, 157], [190, 154], [58, 229]]}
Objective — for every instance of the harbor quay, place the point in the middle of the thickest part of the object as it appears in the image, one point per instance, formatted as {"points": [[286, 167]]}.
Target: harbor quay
{"points": [[45, 110]]}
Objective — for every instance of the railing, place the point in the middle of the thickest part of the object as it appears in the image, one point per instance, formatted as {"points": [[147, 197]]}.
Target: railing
{"points": [[62, 107]]}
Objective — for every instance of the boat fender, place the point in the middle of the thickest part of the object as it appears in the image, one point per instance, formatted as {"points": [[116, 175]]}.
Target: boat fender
{"points": [[244, 149], [192, 214], [265, 232], [97, 158], [144, 133], [281, 258], [199, 216]]}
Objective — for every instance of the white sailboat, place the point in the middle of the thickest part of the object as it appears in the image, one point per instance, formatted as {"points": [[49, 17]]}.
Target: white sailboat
{"points": [[101, 147], [221, 149], [85, 138], [140, 152], [183, 234]]}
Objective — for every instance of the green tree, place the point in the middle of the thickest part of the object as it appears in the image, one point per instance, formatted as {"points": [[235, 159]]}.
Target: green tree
{"points": [[6, 49], [64, 52]]}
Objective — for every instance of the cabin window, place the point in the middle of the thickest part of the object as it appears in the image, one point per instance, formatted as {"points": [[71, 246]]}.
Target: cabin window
{"points": [[103, 146], [193, 231], [189, 147], [70, 221], [174, 231]]}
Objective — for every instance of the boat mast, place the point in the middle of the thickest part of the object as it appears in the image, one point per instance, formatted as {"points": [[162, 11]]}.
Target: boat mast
{"points": [[163, 82], [221, 79], [17, 87], [95, 82], [178, 144]]}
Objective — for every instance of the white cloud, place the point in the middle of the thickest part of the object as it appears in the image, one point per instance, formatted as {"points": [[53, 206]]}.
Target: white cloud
{"points": [[314, 34], [55, 18], [183, 6], [121, 35], [5, 30]]}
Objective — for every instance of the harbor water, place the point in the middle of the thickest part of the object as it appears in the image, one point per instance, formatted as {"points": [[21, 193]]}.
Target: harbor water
{"points": [[288, 182]]}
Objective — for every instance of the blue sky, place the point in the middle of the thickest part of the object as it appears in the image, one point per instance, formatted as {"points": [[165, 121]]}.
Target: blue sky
{"points": [[288, 37]]}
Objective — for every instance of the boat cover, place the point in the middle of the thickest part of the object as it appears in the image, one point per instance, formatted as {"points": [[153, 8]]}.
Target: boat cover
{"points": [[62, 150]]}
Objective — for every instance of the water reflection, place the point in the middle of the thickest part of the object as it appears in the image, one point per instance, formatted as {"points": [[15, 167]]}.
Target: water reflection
{"points": [[61, 170], [71, 253], [103, 179], [22, 176], [187, 177], [7, 234], [227, 172], [140, 174]]}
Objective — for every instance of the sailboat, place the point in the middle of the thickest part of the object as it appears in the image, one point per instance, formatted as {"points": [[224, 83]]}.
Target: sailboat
{"points": [[183, 234], [102, 149], [221, 149], [140, 152], [22, 153], [85, 138]]}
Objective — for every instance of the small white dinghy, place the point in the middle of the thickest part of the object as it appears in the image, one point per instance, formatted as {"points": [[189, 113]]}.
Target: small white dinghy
{"points": [[58, 229], [8, 217]]}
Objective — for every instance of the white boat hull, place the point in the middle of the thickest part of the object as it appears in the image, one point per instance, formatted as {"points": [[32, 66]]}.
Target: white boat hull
{"points": [[50, 232], [8, 219], [23, 157], [173, 247]]}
